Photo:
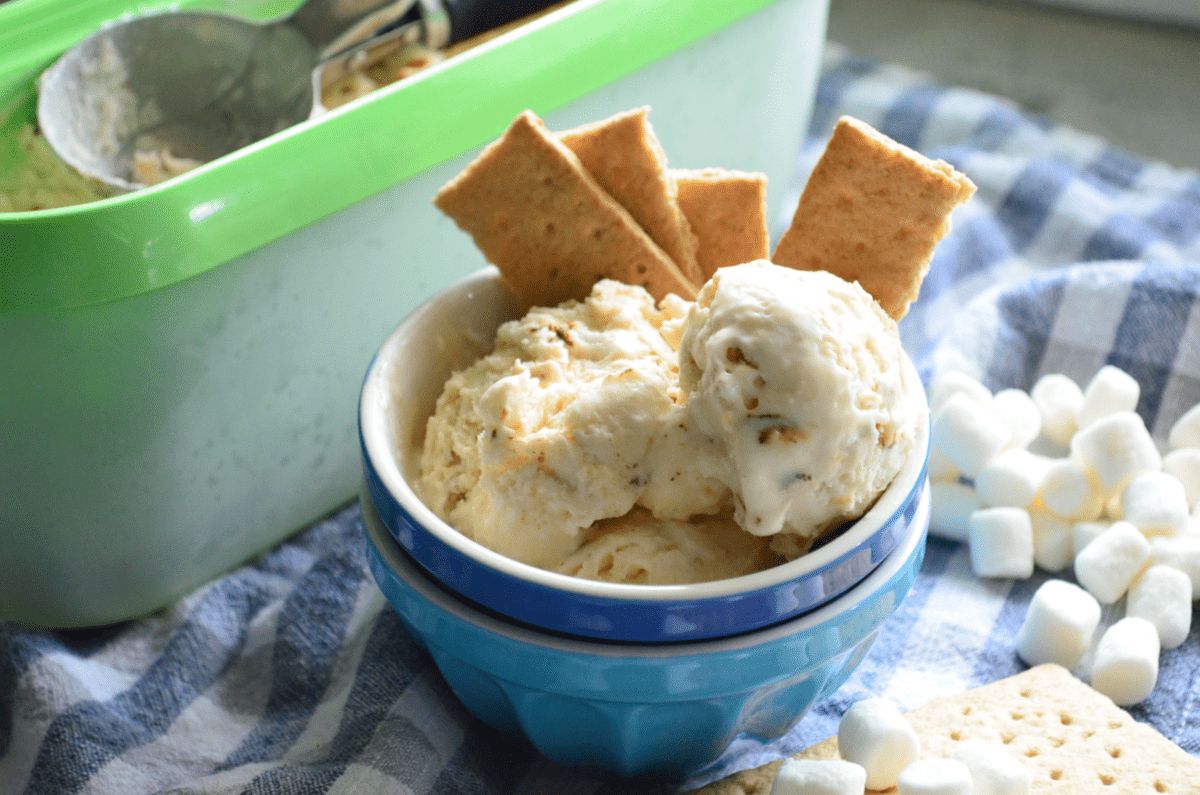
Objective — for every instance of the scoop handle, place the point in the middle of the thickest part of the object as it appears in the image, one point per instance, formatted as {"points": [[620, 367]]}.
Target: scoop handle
{"points": [[471, 17], [333, 26]]}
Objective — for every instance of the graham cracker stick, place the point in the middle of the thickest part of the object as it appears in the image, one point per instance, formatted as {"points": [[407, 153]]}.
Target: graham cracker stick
{"points": [[626, 159], [872, 212], [728, 212]]}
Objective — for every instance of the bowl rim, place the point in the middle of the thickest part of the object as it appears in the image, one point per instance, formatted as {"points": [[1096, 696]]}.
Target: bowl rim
{"points": [[392, 555], [381, 461]]}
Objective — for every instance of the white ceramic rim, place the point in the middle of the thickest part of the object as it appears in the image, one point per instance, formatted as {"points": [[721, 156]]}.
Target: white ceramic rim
{"points": [[375, 425]]}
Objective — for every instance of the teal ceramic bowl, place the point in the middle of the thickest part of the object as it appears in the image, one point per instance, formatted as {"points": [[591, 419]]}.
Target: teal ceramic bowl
{"points": [[665, 710]]}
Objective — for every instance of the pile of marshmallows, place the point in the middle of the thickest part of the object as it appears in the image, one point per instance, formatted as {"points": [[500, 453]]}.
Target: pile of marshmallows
{"points": [[879, 749], [1099, 497]]}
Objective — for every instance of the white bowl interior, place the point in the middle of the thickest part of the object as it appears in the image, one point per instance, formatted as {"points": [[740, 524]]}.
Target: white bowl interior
{"points": [[456, 327]]}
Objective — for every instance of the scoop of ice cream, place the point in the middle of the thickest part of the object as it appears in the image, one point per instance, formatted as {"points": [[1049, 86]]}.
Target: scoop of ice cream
{"points": [[639, 548], [548, 434], [798, 375]]}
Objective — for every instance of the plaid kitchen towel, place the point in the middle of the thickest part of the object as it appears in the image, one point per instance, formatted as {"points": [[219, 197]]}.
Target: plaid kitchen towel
{"points": [[292, 675]]}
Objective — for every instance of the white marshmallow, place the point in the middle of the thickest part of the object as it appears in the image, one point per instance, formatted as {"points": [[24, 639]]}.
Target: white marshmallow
{"points": [[953, 504], [1053, 545], [1126, 664], [941, 468], [1059, 625], [1084, 533], [1184, 465], [968, 434], [935, 777], [1110, 390], [1156, 504], [1116, 449], [1180, 552], [993, 771], [1186, 430], [1011, 479], [1163, 596], [1017, 410], [1058, 399], [1069, 491], [819, 777], [875, 735], [1108, 565], [949, 384], [1001, 542]]}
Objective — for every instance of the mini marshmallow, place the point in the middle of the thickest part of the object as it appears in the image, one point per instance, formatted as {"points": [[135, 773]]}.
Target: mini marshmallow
{"points": [[968, 434], [1186, 430], [1001, 542], [875, 735], [1184, 465], [1108, 565], [1059, 625], [1180, 552], [953, 504], [1017, 410], [1084, 533], [1058, 399], [1116, 449], [1053, 545], [1126, 664], [819, 777], [941, 468], [1163, 596], [1156, 504], [1069, 491], [1011, 479], [935, 777], [1110, 390], [952, 383], [993, 771]]}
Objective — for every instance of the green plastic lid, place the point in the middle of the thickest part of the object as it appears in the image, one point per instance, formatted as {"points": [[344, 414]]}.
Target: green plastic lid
{"points": [[127, 245]]}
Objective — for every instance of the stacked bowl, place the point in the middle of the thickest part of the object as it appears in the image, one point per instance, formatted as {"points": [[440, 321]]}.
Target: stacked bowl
{"points": [[629, 679]]}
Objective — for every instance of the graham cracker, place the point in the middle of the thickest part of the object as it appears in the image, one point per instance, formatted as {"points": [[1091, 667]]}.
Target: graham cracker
{"points": [[872, 211], [1073, 740], [727, 210], [626, 159], [536, 213]]}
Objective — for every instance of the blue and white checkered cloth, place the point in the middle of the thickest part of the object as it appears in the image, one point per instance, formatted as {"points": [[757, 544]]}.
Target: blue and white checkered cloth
{"points": [[292, 675]]}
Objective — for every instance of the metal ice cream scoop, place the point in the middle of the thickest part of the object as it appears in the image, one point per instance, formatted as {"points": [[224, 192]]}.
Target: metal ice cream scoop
{"points": [[195, 85]]}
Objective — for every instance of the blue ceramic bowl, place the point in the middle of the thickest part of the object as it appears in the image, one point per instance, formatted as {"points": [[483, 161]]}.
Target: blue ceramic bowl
{"points": [[635, 709], [401, 387]]}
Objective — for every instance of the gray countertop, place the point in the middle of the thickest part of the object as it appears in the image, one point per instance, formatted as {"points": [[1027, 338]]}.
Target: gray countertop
{"points": [[1134, 83]]}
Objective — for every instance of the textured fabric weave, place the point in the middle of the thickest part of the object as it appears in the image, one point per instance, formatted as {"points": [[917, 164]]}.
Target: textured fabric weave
{"points": [[292, 675]]}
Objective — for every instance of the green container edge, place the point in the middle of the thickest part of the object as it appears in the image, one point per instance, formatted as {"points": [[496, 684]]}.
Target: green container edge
{"points": [[128, 245]]}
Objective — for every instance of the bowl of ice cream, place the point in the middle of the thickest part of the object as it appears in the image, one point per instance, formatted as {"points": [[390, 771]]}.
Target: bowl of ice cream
{"points": [[747, 585], [618, 707]]}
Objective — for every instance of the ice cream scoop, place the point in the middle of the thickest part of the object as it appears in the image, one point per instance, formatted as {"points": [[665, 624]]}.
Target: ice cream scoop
{"points": [[198, 85]]}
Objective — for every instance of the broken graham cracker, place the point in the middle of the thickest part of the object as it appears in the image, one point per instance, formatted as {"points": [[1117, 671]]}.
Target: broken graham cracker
{"points": [[728, 212], [626, 159], [536, 214], [872, 212], [1072, 739]]}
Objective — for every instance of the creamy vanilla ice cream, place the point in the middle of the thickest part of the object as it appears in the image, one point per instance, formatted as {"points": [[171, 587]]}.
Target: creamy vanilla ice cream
{"points": [[615, 439], [798, 376]]}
